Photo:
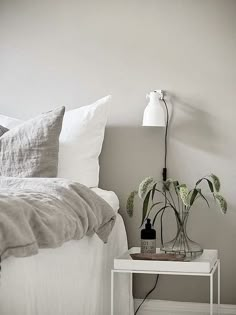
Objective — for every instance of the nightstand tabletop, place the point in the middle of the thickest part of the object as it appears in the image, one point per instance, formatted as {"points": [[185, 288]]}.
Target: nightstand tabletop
{"points": [[202, 264]]}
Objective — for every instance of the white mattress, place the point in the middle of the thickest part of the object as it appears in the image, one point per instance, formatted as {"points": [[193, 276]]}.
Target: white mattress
{"points": [[70, 280]]}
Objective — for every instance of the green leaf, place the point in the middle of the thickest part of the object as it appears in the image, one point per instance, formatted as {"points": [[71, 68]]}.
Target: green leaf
{"points": [[176, 184], [199, 181], [145, 206], [167, 184], [130, 203], [210, 185], [183, 192], [216, 182], [153, 190], [208, 181], [222, 203], [194, 194], [145, 186]]}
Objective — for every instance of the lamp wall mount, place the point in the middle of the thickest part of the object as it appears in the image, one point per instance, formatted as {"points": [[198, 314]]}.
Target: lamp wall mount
{"points": [[160, 93]]}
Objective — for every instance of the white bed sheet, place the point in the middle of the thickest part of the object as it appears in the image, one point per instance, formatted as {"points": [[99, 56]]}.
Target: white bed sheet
{"points": [[70, 280], [109, 196]]}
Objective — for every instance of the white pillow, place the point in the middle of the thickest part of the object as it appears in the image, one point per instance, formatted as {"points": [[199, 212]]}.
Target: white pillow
{"points": [[9, 122], [80, 141]]}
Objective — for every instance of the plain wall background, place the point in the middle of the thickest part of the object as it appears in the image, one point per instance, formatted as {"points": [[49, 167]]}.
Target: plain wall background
{"points": [[71, 52]]}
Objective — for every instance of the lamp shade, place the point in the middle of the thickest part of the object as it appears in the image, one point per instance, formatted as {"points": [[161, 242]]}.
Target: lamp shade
{"points": [[154, 115]]}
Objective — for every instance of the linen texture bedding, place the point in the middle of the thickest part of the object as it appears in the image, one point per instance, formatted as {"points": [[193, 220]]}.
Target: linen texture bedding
{"points": [[46, 212], [31, 149], [73, 279], [3, 130]]}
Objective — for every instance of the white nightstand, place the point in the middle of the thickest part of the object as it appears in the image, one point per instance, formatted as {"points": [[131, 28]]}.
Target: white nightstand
{"points": [[202, 266]]}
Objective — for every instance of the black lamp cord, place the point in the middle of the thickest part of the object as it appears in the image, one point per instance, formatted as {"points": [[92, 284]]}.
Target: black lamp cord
{"points": [[164, 177], [154, 287], [164, 172]]}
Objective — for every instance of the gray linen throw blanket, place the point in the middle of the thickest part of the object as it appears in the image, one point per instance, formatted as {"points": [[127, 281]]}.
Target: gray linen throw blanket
{"points": [[46, 212]]}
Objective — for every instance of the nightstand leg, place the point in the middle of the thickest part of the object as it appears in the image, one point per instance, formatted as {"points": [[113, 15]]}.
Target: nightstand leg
{"points": [[211, 294], [218, 286], [112, 292], [131, 301]]}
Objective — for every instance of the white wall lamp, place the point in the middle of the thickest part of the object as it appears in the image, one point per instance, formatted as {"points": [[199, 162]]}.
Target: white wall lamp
{"points": [[155, 115]]}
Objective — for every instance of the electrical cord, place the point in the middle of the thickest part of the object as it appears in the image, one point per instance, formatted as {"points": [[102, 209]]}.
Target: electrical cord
{"points": [[164, 173], [154, 287], [164, 177]]}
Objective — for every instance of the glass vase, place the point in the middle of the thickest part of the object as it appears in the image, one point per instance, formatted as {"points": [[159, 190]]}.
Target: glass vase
{"points": [[182, 244]]}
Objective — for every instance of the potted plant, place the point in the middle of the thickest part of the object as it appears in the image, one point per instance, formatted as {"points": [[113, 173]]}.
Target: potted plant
{"points": [[158, 196]]}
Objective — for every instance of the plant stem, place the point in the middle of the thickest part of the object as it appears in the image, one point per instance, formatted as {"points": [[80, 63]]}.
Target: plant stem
{"points": [[172, 206], [164, 194], [172, 199], [159, 211], [177, 199]]}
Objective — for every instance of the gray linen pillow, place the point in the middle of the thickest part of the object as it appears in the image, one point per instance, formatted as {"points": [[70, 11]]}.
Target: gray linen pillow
{"points": [[3, 130], [31, 149]]}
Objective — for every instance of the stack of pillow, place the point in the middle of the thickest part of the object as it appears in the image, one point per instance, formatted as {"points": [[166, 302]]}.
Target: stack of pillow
{"points": [[55, 144]]}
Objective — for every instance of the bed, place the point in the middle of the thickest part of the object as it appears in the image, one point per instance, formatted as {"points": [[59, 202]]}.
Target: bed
{"points": [[69, 276], [70, 280]]}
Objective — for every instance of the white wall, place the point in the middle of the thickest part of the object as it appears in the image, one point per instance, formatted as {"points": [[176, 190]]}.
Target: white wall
{"points": [[72, 52]]}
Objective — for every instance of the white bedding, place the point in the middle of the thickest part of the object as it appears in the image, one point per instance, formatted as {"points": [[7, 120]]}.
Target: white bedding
{"points": [[109, 196], [70, 280]]}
